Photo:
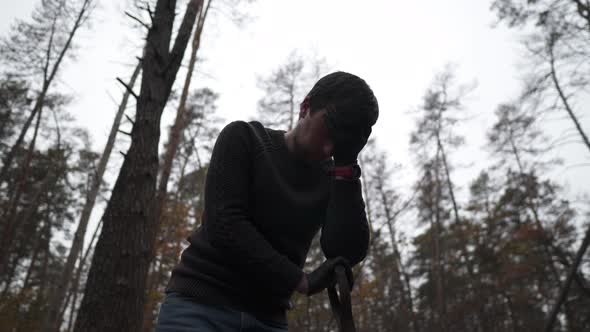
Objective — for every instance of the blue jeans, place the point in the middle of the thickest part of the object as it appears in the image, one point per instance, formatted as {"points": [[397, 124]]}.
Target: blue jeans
{"points": [[180, 313]]}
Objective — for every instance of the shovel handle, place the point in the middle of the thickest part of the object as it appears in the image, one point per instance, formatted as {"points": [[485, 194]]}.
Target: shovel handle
{"points": [[340, 301]]}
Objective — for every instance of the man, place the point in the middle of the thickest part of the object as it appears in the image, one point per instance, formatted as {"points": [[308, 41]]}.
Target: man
{"points": [[267, 193]]}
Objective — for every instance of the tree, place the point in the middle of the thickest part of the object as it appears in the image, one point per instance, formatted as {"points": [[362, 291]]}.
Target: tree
{"points": [[503, 256], [15, 207], [392, 207], [114, 295], [528, 239], [49, 205], [284, 89], [429, 258], [56, 299], [383, 298], [513, 137], [54, 25], [179, 125], [431, 142], [558, 45], [38, 226], [14, 99]]}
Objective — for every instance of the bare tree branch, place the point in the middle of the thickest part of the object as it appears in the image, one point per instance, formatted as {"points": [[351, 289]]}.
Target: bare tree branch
{"points": [[128, 88], [137, 20]]}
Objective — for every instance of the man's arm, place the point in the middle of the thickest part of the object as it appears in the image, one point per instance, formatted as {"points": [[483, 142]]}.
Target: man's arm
{"points": [[346, 230], [228, 226], [345, 235]]}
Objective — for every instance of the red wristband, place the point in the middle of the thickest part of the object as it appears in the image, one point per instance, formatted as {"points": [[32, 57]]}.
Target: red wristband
{"points": [[349, 172]]}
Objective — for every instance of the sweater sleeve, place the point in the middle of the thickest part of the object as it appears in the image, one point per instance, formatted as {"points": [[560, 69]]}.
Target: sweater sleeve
{"points": [[346, 230], [227, 223]]}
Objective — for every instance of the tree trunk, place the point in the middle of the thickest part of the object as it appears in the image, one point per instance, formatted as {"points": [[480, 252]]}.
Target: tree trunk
{"points": [[74, 290], [566, 286], [438, 271], [55, 300], [151, 285], [399, 268], [171, 150], [449, 182], [115, 291], [179, 122], [79, 271]]}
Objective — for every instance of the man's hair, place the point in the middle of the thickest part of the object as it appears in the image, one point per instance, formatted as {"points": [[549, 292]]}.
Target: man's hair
{"points": [[349, 95]]}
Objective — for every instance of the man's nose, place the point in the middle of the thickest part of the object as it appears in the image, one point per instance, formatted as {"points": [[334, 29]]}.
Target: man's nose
{"points": [[328, 149]]}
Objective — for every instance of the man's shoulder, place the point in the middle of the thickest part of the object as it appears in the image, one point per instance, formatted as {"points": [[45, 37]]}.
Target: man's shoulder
{"points": [[250, 129], [244, 126], [235, 127]]}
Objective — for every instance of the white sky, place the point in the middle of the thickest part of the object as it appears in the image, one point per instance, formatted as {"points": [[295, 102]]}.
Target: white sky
{"points": [[396, 46]]}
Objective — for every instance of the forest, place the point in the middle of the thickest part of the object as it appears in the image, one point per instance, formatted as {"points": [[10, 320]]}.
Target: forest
{"points": [[89, 234]]}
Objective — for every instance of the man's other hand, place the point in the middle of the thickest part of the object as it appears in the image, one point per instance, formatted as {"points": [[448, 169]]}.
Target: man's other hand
{"points": [[323, 277]]}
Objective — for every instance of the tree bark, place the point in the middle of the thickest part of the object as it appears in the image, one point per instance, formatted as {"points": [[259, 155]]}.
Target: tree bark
{"points": [[74, 290], [568, 282], [55, 300], [115, 291], [177, 128], [174, 139]]}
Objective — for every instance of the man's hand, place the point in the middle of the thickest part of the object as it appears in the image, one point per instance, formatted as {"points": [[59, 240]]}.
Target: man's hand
{"points": [[346, 151], [349, 139], [323, 277]]}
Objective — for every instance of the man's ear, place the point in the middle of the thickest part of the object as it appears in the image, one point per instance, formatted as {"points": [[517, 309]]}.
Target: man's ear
{"points": [[304, 108]]}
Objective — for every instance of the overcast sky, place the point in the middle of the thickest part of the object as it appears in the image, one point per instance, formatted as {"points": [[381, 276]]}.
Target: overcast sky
{"points": [[396, 46]]}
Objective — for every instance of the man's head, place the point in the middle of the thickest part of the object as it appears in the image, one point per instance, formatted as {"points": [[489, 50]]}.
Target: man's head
{"points": [[340, 108]]}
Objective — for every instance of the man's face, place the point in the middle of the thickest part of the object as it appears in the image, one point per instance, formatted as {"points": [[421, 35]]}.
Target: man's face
{"points": [[312, 139]]}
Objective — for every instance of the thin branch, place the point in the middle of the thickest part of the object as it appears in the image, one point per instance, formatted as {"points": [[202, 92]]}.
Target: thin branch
{"points": [[124, 132], [128, 118], [137, 20], [48, 55], [128, 88], [577, 165], [150, 12]]}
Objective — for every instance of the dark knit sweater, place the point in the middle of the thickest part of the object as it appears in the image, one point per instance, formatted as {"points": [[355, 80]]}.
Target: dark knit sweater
{"points": [[262, 209]]}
